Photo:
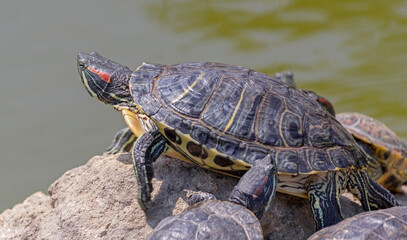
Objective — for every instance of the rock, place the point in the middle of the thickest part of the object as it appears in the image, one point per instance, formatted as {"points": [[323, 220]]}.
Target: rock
{"points": [[14, 223], [98, 201]]}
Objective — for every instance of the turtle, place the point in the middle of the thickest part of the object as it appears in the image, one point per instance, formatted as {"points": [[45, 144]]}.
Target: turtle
{"points": [[389, 224], [390, 169], [224, 117], [209, 218], [388, 162]]}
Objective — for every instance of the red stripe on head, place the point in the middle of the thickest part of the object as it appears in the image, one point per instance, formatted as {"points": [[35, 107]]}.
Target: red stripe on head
{"points": [[324, 101], [259, 190], [103, 75]]}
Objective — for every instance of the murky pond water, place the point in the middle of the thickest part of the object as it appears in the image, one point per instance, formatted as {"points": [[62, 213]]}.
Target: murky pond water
{"points": [[353, 53]]}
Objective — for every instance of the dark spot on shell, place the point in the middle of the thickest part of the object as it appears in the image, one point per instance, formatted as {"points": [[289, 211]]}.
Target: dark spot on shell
{"points": [[223, 161], [172, 136], [204, 154], [194, 149]]}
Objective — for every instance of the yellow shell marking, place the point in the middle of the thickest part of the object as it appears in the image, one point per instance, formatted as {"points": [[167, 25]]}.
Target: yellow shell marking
{"points": [[208, 162], [136, 125], [187, 90], [236, 109]]}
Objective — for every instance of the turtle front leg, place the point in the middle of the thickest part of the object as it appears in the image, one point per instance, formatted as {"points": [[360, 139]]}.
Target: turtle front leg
{"points": [[324, 191], [122, 142], [146, 150], [257, 187]]}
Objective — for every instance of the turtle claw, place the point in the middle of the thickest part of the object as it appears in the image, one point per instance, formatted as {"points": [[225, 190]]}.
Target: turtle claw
{"points": [[122, 142]]}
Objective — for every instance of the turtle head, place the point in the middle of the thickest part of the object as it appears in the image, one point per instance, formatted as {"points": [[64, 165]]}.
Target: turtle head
{"points": [[104, 79], [325, 103]]}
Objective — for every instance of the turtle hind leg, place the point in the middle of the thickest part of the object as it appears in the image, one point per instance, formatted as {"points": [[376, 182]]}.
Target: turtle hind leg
{"points": [[371, 194], [122, 142], [146, 150], [324, 191]]}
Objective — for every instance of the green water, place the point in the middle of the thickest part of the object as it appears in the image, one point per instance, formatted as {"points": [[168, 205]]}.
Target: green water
{"points": [[353, 53]]}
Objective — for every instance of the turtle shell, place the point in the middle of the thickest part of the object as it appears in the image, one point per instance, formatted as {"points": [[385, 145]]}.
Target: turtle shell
{"points": [[210, 220], [389, 149], [373, 132], [224, 117], [389, 223]]}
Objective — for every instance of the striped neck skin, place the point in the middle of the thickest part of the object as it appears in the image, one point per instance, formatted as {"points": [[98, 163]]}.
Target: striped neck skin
{"points": [[105, 80]]}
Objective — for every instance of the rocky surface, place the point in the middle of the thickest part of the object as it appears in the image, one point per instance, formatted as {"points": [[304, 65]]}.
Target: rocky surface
{"points": [[98, 201]]}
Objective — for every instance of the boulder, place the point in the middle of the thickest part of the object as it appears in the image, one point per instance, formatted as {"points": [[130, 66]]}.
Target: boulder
{"points": [[99, 201]]}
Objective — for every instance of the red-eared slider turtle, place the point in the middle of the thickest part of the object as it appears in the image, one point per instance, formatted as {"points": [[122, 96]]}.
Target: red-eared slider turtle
{"points": [[223, 117], [388, 224], [378, 140], [209, 218]]}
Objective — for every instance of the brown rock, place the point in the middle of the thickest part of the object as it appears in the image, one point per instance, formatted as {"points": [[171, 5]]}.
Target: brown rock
{"points": [[98, 201]]}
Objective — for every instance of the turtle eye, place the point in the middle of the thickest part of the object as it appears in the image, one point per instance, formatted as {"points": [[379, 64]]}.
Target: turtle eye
{"points": [[82, 65]]}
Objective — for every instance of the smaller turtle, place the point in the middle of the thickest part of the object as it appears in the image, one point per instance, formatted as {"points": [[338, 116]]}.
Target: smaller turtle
{"points": [[237, 218], [386, 224], [378, 140]]}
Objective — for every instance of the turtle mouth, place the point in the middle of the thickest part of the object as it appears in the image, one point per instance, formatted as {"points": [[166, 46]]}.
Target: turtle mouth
{"points": [[122, 108]]}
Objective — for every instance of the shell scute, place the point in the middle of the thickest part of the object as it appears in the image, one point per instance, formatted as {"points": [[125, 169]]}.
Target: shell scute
{"points": [[282, 90], [161, 115], [173, 120], [267, 127], [242, 122], [319, 131], [318, 161], [180, 93], [287, 161], [224, 100], [338, 157], [240, 151], [185, 126], [291, 129], [254, 153], [227, 145], [153, 105], [199, 133]]}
